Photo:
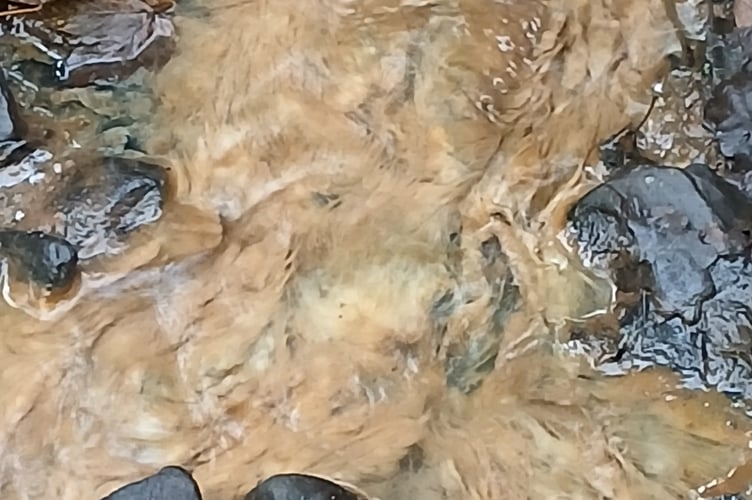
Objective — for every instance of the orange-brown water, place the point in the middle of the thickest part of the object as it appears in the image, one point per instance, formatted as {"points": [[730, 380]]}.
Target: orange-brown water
{"points": [[336, 168]]}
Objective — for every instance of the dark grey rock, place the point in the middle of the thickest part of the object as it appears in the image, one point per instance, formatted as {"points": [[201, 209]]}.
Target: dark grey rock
{"points": [[729, 110], [678, 220], [170, 483], [728, 51], [299, 487], [44, 259], [687, 232]]}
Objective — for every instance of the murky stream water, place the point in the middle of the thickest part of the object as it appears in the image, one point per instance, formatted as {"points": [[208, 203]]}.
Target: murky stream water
{"points": [[352, 239]]}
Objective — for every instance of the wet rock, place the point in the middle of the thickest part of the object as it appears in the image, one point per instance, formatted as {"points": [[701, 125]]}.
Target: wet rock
{"points": [[46, 260], [728, 51], [300, 487], [729, 106], [690, 308], [94, 203], [20, 160], [170, 483], [656, 215], [101, 204], [618, 151], [92, 40], [729, 110], [11, 124]]}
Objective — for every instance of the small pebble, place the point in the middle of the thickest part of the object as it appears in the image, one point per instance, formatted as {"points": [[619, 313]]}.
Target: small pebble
{"points": [[37, 178]]}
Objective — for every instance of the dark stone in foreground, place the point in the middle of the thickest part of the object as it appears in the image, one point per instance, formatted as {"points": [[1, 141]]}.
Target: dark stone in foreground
{"points": [[299, 487], [46, 260], [170, 483], [677, 244]]}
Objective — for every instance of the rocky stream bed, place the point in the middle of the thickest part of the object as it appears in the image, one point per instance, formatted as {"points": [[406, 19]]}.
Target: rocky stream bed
{"points": [[670, 225]]}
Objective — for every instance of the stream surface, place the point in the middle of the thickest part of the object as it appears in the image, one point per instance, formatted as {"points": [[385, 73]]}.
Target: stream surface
{"points": [[459, 249]]}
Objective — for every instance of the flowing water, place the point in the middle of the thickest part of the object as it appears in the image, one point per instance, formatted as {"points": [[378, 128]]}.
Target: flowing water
{"points": [[327, 237]]}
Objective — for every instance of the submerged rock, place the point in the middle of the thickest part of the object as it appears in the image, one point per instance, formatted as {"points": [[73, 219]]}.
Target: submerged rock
{"points": [[46, 260], [103, 202], [300, 487], [11, 124], [170, 483], [20, 160], [471, 357], [676, 242], [92, 202]]}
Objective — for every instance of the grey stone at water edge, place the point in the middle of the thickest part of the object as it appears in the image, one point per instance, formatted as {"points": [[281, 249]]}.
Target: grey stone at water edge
{"points": [[170, 483]]}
